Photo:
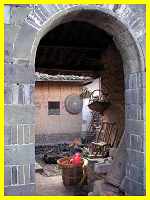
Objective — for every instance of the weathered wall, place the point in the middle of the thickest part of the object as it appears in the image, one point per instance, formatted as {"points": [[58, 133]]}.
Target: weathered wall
{"points": [[22, 33], [55, 128], [112, 81]]}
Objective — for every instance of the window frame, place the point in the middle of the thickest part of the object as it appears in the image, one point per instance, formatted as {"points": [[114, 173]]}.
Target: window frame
{"points": [[54, 109]]}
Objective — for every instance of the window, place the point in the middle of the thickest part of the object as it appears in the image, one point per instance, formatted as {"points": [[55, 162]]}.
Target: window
{"points": [[53, 108]]}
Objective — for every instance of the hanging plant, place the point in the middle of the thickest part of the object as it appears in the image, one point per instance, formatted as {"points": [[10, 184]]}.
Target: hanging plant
{"points": [[85, 93], [99, 103]]}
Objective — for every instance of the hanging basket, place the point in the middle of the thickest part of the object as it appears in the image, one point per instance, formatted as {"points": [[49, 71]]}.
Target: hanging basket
{"points": [[99, 106], [99, 103]]}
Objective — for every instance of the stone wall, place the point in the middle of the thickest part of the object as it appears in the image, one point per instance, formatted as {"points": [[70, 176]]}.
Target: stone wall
{"points": [[135, 134], [24, 27], [19, 111]]}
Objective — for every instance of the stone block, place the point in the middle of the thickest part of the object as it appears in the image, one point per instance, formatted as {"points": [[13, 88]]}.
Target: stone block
{"points": [[131, 65], [140, 9], [19, 114], [132, 188], [127, 141], [132, 112], [28, 93], [8, 135], [22, 5], [42, 14], [32, 134], [135, 127], [18, 14], [21, 94], [10, 31], [32, 173], [20, 134], [31, 92], [102, 168], [20, 190], [51, 8], [26, 134], [141, 79], [8, 53], [14, 133], [19, 154], [7, 177], [130, 52], [44, 10], [9, 39], [8, 94], [27, 173], [138, 26], [9, 73], [14, 175], [117, 172], [126, 81], [144, 111], [136, 142], [21, 174], [102, 188], [134, 20], [23, 44], [135, 173], [140, 112], [15, 73], [141, 96], [7, 10], [125, 38], [133, 81], [142, 42], [136, 158], [131, 96], [15, 91]]}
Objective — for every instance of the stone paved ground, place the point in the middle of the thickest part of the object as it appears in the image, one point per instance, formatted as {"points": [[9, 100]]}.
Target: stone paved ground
{"points": [[50, 186], [53, 186], [49, 181]]}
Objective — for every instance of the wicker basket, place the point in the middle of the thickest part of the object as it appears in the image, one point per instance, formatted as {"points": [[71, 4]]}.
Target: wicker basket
{"points": [[71, 174], [99, 106]]}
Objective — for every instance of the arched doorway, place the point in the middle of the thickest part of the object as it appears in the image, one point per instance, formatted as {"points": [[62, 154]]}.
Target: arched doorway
{"points": [[75, 48], [39, 22]]}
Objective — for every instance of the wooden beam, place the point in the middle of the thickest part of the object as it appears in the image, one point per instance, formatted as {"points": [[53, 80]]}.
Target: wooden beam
{"points": [[70, 48], [55, 71]]}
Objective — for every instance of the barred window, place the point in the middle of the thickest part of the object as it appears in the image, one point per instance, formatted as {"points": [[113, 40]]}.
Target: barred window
{"points": [[53, 108]]}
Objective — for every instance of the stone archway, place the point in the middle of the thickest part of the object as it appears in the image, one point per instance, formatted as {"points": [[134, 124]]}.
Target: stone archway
{"points": [[124, 24]]}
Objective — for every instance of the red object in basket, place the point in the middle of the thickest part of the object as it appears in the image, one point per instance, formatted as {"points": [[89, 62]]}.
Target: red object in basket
{"points": [[76, 159]]}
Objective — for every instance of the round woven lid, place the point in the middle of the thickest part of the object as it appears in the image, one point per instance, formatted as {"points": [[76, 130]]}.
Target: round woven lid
{"points": [[73, 104]]}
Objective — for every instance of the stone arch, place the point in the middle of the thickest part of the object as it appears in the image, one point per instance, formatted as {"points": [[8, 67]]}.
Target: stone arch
{"points": [[117, 21]]}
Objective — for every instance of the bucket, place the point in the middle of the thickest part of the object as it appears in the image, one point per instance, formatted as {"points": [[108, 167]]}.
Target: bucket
{"points": [[71, 174]]}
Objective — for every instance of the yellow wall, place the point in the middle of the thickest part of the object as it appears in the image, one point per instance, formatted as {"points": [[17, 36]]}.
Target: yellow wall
{"points": [[55, 124]]}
